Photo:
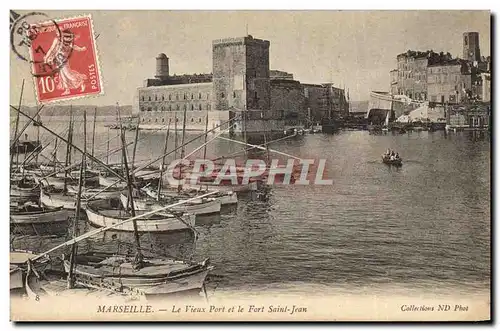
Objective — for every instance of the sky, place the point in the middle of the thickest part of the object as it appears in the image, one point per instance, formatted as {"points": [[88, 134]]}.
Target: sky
{"points": [[351, 49]]}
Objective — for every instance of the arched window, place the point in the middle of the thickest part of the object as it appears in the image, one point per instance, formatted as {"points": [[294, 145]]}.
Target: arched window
{"points": [[156, 97], [192, 107], [192, 120], [163, 119], [156, 120], [162, 98], [143, 98], [185, 107], [162, 108], [185, 97], [199, 96], [149, 98], [222, 95], [199, 120], [234, 94], [176, 119], [199, 106], [192, 96], [208, 96], [178, 107], [170, 97], [176, 96], [170, 107]]}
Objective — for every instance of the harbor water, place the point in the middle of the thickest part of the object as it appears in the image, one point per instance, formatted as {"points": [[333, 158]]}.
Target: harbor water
{"points": [[376, 229]]}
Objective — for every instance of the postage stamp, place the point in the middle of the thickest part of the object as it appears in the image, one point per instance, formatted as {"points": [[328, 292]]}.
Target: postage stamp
{"points": [[64, 59]]}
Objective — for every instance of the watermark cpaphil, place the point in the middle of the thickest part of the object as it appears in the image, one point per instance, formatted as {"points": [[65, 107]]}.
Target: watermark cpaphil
{"points": [[289, 172]]}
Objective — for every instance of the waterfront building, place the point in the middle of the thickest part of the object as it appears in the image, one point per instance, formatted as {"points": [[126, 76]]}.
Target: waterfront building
{"points": [[241, 86], [486, 87], [427, 76], [449, 81], [411, 74], [325, 101], [287, 96]]}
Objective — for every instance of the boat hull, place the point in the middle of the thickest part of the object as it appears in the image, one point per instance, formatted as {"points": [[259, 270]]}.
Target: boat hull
{"points": [[211, 206], [388, 161], [161, 223], [60, 200], [22, 195], [52, 215], [91, 192], [16, 278], [153, 280], [111, 181]]}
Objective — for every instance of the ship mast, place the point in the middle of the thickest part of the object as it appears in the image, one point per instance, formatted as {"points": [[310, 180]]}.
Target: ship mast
{"points": [[74, 247], [163, 162]]}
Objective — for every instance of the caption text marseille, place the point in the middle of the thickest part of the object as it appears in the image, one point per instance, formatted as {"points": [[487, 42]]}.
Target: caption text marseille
{"points": [[210, 309]]}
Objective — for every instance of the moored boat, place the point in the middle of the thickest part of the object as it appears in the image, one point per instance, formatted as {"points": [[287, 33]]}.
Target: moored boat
{"points": [[111, 181], [204, 206], [96, 192], [35, 214], [154, 276], [57, 198], [103, 213], [24, 190], [18, 268]]}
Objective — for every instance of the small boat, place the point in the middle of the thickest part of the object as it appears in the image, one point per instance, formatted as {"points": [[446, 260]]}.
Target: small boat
{"points": [[155, 277], [103, 213], [27, 146], [225, 197], [57, 198], [36, 214], [55, 182], [19, 268], [395, 162], [111, 181], [24, 190], [203, 206], [96, 192]]}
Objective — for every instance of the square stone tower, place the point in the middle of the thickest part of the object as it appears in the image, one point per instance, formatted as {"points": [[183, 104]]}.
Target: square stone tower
{"points": [[241, 74], [471, 46]]}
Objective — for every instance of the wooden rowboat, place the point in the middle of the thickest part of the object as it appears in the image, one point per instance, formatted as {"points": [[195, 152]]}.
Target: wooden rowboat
{"points": [[206, 206], [24, 190], [225, 197], [155, 277], [97, 192], [35, 214], [111, 181], [395, 162], [103, 213]]}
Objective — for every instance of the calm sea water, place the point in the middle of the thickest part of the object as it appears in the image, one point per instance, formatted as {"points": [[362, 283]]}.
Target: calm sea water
{"points": [[425, 226]]}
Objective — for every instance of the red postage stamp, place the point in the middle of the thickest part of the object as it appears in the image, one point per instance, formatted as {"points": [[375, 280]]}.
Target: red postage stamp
{"points": [[64, 59]]}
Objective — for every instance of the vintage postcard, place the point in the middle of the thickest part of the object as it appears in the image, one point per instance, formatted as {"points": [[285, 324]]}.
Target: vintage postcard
{"points": [[203, 166]]}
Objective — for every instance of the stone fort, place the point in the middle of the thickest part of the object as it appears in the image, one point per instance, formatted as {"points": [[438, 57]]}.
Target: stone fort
{"points": [[241, 84]]}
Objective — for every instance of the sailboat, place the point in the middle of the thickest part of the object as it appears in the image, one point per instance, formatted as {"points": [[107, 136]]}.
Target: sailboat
{"points": [[139, 275], [206, 206]]}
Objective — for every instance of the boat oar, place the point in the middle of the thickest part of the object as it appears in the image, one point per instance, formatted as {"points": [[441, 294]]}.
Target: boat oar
{"points": [[97, 231]]}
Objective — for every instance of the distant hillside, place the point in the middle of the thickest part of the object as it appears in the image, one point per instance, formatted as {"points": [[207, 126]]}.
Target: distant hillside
{"points": [[59, 110], [359, 106]]}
